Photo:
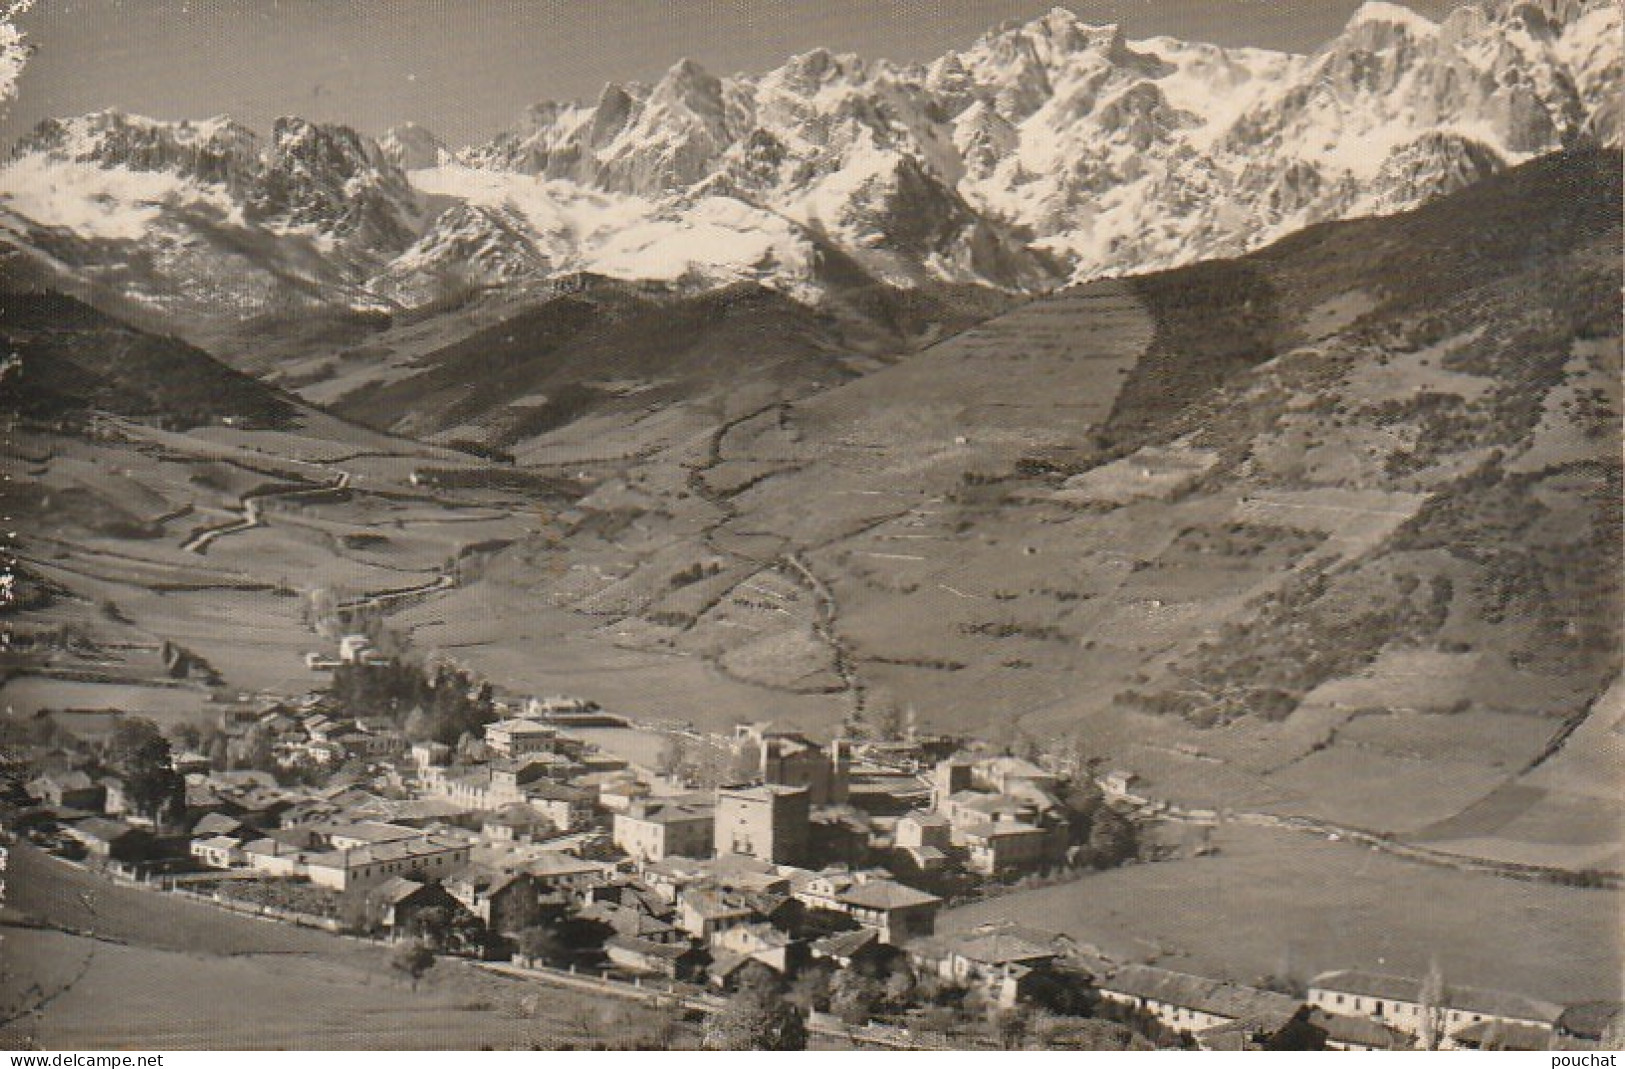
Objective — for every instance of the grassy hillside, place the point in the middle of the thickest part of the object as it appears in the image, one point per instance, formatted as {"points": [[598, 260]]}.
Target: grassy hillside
{"points": [[1328, 510], [612, 348], [1330, 529], [67, 357]]}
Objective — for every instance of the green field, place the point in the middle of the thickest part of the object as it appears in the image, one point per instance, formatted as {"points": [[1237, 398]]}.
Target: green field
{"points": [[1276, 901], [165, 973]]}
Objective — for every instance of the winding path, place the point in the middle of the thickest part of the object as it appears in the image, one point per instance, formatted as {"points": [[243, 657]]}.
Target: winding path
{"points": [[200, 540]]}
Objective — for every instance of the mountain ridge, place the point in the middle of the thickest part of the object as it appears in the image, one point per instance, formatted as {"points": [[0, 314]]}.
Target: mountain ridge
{"points": [[1033, 157]]}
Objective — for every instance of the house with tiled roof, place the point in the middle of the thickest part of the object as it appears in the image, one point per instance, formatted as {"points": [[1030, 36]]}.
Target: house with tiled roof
{"points": [[761, 942], [517, 823], [1499, 1035], [558, 872], [111, 840], [894, 910], [517, 738], [898, 912], [632, 922], [568, 807], [211, 824], [1002, 846], [845, 948], [655, 830], [1000, 961], [428, 856], [274, 857], [217, 851], [1005, 774], [398, 902], [67, 790], [1347, 1032], [1194, 1004], [675, 961], [1585, 1023], [702, 912], [927, 839]]}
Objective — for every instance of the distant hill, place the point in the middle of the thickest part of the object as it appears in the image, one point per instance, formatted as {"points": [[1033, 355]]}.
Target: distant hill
{"points": [[1354, 499], [612, 349], [66, 358]]}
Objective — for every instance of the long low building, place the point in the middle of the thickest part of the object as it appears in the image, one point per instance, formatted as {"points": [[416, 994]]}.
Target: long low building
{"points": [[1194, 1004], [432, 857], [1400, 1002]]}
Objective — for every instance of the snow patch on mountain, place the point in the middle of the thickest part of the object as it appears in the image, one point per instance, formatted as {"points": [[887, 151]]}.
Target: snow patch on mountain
{"points": [[1045, 151], [106, 203]]}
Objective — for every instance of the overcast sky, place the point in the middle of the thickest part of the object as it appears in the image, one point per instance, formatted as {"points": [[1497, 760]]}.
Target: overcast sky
{"points": [[467, 68]]}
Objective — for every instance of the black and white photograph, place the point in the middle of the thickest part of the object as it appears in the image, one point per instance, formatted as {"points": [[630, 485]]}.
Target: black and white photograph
{"points": [[811, 525]]}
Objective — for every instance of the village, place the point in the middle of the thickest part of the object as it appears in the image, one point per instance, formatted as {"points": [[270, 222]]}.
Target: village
{"points": [[564, 843]]}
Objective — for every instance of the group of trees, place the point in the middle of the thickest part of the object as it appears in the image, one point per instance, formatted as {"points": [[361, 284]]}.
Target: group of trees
{"points": [[562, 941], [706, 765], [1102, 836], [141, 756], [439, 707], [758, 1017]]}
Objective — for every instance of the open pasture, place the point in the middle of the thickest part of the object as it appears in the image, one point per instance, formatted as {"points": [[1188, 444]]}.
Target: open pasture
{"points": [[1271, 901]]}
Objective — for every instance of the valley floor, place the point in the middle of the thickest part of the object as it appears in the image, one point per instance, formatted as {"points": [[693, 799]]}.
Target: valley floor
{"points": [[1274, 902]]}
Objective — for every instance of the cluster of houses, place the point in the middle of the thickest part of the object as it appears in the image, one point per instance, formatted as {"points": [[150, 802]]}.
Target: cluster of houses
{"points": [[829, 856], [313, 733]]}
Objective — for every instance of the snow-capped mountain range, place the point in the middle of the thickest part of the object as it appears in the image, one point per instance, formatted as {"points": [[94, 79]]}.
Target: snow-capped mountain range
{"points": [[1048, 151]]}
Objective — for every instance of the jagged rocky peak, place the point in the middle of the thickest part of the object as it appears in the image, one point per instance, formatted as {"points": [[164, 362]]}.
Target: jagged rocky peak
{"points": [[1381, 20], [1554, 13], [1057, 34], [689, 85], [615, 110], [326, 149], [411, 147], [1434, 165], [117, 139], [1035, 154], [812, 69]]}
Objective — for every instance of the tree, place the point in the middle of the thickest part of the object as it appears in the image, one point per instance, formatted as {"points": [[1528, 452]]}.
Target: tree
{"points": [[888, 722], [1083, 799], [142, 755], [1113, 838], [746, 763], [900, 987], [854, 996], [129, 737], [413, 959], [254, 750], [449, 929], [757, 1017], [1009, 1028], [186, 736], [809, 991], [674, 757], [542, 943], [1026, 747], [219, 753], [419, 726], [1433, 1011]]}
